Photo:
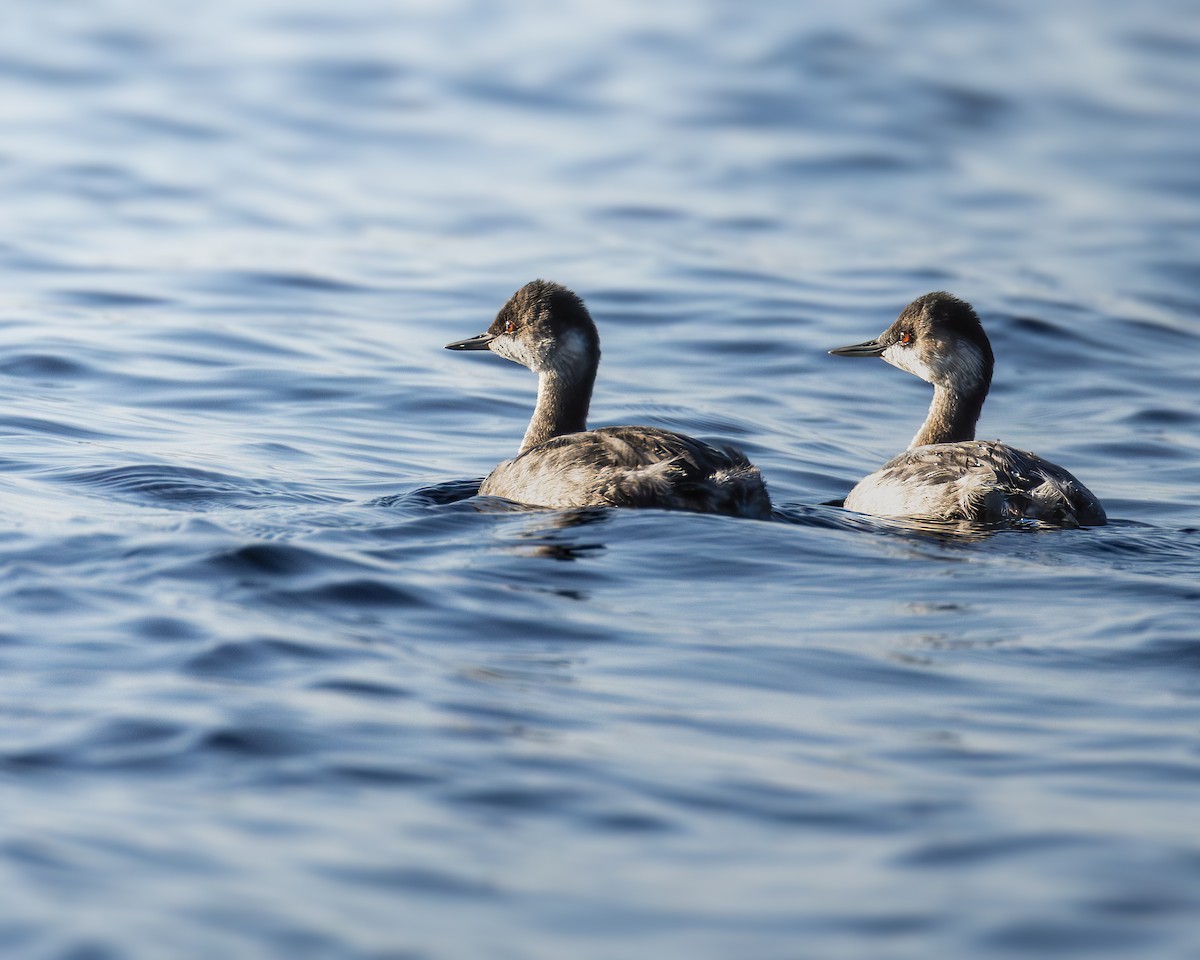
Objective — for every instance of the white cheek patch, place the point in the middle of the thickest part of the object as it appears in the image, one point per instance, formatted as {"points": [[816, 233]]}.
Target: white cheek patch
{"points": [[967, 371], [567, 356], [906, 359], [510, 348], [572, 352]]}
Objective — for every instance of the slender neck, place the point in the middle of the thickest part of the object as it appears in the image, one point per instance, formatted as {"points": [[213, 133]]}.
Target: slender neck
{"points": [[952, 417], [562, 405]]}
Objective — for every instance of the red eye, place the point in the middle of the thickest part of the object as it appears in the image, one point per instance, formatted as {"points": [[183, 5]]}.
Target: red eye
{"points": [[905, 338], [509, 326]]}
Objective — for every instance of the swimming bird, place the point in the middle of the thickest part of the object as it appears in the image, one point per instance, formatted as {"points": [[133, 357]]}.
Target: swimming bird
{"points": [[946, 474], [561, 463]]}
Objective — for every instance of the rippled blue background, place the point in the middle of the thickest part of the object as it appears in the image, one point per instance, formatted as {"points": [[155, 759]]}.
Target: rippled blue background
{"points": [[269, 686]]}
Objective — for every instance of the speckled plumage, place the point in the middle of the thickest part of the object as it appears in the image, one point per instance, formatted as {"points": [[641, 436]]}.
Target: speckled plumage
{"points": [[980, 480], [946, 474], [562, 464]]}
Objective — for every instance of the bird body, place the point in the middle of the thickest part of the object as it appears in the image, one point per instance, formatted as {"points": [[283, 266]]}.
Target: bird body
{"points": [[561, 463], [946, 474]]}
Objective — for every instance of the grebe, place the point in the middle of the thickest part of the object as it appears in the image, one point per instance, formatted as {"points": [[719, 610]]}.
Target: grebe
{"points": [[561, 463], [945, 473]]}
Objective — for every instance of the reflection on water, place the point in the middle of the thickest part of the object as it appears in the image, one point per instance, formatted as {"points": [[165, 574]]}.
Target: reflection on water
{"points": [[275, 681]]}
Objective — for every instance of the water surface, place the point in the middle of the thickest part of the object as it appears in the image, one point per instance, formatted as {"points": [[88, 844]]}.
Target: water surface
{"points": [[272, 683]]}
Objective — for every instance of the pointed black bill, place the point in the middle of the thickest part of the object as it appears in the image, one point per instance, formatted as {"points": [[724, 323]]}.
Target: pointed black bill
{"points": [[472, 343], [872, 348]]}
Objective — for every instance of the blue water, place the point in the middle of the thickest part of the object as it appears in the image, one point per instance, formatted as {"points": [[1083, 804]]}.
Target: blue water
{"points": [[272, 684]]}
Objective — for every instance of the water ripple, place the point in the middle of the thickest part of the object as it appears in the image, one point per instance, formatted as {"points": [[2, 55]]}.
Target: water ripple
{"points": [[181, 487], [275, 680]]}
